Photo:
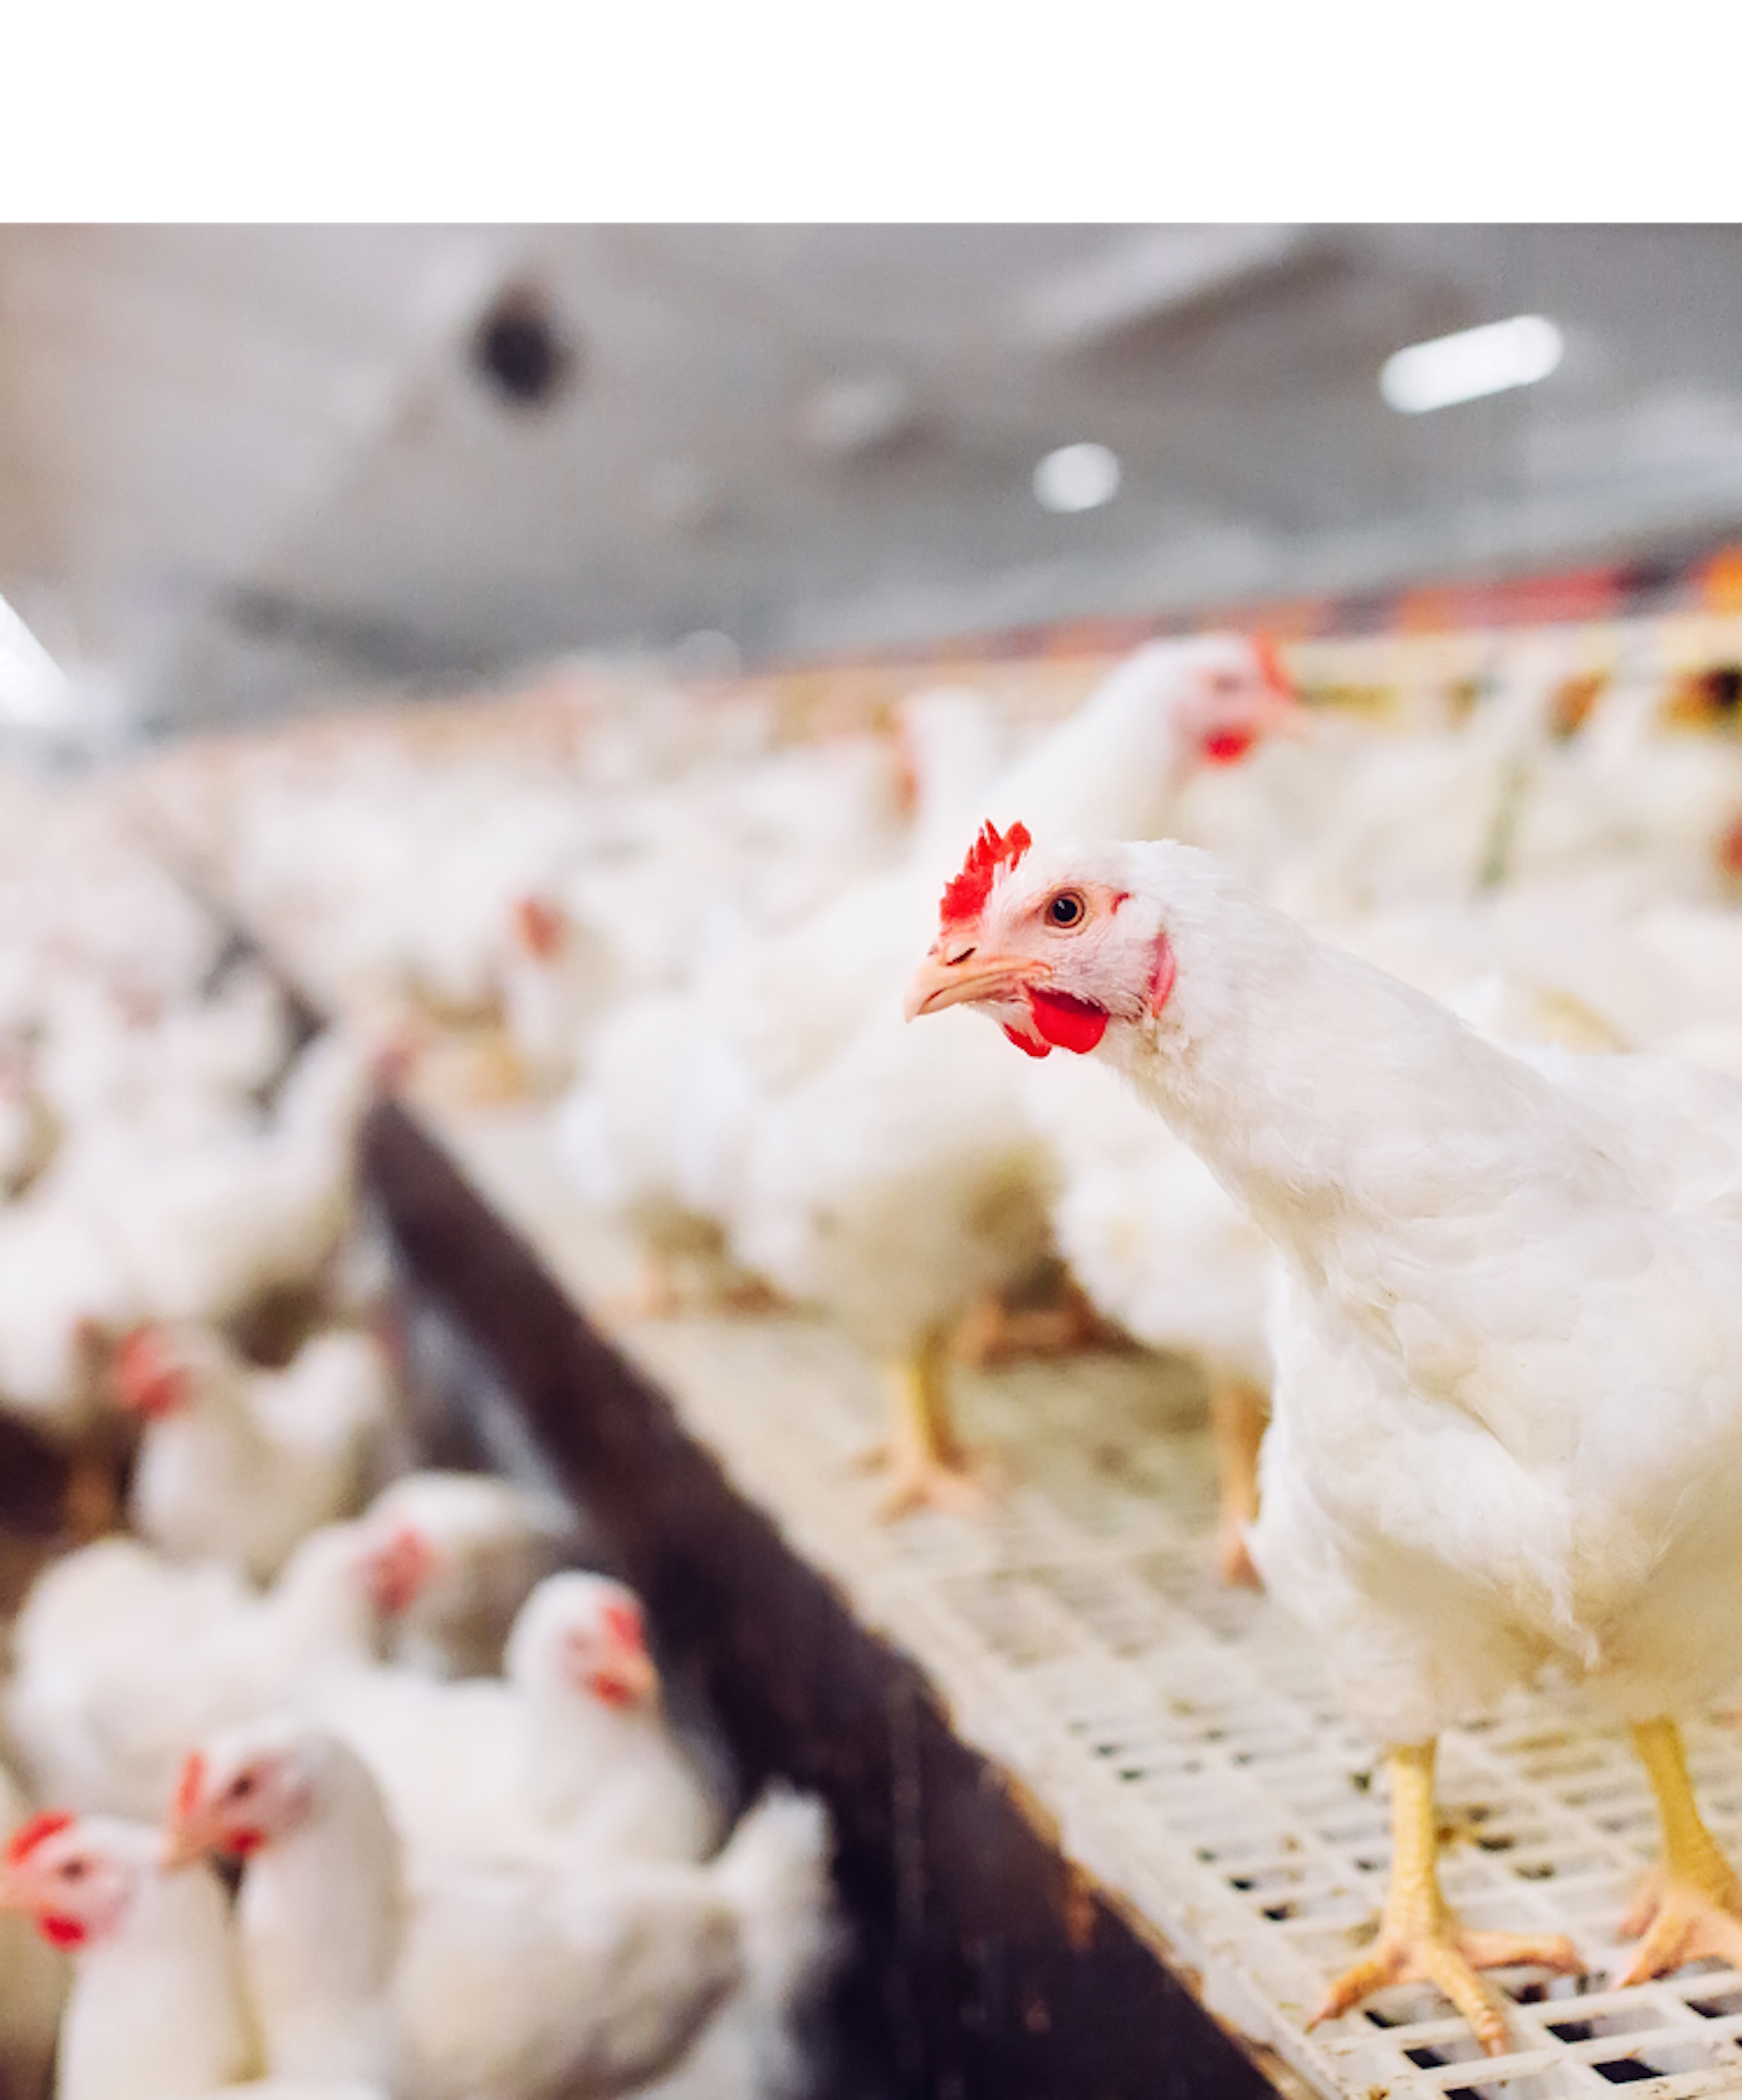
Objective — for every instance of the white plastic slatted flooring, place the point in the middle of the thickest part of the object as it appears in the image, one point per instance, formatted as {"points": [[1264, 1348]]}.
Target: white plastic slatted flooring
{"points": [[1180, 1734]]}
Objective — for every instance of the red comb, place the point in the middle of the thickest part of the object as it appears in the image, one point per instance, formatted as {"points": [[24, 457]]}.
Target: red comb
{"points": [[539, 924], [147, 1378], [1271, 666], [965, 895], [35, 1830], [397, 1570], [623, 1623], [189, 1787]]}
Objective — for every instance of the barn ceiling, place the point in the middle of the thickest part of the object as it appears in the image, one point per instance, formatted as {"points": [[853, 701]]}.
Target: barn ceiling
{"points": [[244, 464]]}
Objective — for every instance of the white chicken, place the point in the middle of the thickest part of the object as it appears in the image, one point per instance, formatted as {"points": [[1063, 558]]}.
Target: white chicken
{"points": [[903, 1181], [238, 1463], [601, 1771], [464, 1551], [1508, 1428], [569, 1762], [107, 1056], [120, 1658], [157, 2010], [474, 1981], [201, 1227]]}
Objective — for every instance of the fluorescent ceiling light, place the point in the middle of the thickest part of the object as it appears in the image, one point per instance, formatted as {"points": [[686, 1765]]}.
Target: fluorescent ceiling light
{"points": [[1474, 362], [1076, 477]]}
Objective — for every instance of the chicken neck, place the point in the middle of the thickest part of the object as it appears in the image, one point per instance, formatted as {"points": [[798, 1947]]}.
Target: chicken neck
{"points": [[1336, 1103], [321, 1915], [157, 2011]]}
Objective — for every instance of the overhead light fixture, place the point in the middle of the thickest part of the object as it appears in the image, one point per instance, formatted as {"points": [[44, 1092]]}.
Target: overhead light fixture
{"points": [[1076, 477], [1474, 362], [521, 352]]}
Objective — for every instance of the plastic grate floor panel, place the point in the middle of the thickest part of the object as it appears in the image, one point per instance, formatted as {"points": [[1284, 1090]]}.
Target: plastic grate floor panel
{"points": [[1182, 1736]]}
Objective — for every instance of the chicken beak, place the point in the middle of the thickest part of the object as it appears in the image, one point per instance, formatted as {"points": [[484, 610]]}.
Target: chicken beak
{"points": [[181, 1847], [954, 976], [632, 1675]]}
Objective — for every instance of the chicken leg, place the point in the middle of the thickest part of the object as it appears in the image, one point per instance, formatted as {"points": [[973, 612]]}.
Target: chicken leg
{"points": [[1691, 1905], [1421, 1939], [1238, 1413], [928, 1468]]}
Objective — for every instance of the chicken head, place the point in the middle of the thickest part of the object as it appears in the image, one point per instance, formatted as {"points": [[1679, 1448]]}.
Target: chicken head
{"points": [[1052, 944], [584, 1634], [240, 1794], [75, 1876]]}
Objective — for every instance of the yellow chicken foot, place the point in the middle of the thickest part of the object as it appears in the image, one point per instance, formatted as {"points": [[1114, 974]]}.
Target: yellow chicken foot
{"points": [[1421, 1939], [1691, 1905], [928, 1468], [1238, 1412]]}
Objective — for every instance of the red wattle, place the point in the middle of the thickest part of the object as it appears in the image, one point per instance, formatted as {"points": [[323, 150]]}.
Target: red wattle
{"points": [[1228, 746], [61, 1931], [1027, 1044], [1073, 1024]]}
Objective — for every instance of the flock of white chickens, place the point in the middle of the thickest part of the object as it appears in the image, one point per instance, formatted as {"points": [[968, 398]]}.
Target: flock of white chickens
{"points": [[478, 1860], [692, 938]]}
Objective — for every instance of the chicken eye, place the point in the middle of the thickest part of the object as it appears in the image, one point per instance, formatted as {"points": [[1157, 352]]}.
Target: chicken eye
{"points": [[240, 1789], [73, 1870], [1066, 909]]}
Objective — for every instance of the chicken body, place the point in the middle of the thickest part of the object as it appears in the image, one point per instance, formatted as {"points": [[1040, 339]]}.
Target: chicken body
{"points": [[899, 1181], [1508, 1431], [157, 2011], [570, 1760], [122, 1658], [479, 1981], [238, 1464]]}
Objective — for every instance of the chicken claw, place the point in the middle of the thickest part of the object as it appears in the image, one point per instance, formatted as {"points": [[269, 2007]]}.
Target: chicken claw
{"points": [[917, 1483], [1438, 1950], [1690, 1906], [1676, 1921], [1421, 1939]]}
